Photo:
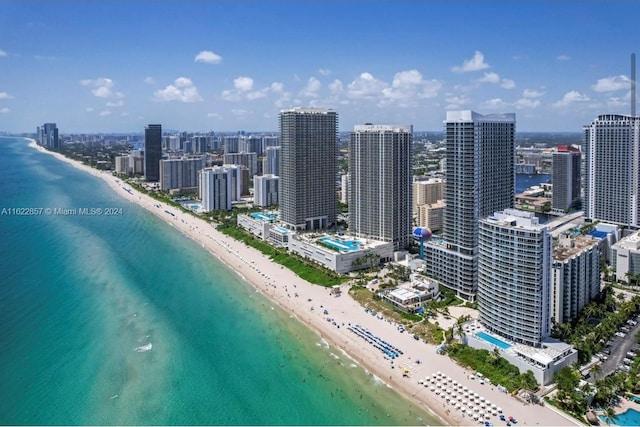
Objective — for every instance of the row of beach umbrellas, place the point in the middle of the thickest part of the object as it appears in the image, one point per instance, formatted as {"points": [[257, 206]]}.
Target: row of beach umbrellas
{"points": [[460, 397]]}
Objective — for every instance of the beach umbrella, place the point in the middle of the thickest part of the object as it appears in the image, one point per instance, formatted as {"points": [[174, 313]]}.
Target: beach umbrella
{"points": [[420, 381], [493, 405], [439, 385], [487, 415], [476, 395], [432, 388], [481, 399], [499, 409], [464, 409], [439, 373], [482, 405], [465, 389]]}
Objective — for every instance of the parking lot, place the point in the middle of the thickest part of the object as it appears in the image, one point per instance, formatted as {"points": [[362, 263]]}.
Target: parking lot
{"points": [[617, 348]]}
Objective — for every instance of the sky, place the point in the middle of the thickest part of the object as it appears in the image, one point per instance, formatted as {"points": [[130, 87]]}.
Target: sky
{"points": [[99, 66]]}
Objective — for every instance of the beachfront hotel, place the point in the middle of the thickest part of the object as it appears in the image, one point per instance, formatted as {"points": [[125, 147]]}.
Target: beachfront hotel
{"points": [[625, 257], [566, 177], [215, 188], [514, 276], [180, 173], [480, 180], [612, 170], [380, 182], [308, 141], [152, 152]]}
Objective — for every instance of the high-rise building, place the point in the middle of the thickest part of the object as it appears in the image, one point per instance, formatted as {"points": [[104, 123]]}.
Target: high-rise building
{"points": [[308, 141], [426, 192], [612, 169], [152, 152], [180, 172], [249, 160], [265, 190], [47, 136], [480, 180], [272, 163], [576, 275], [514, 276], [430, 216], [566, 177], [625, 257], [344, 189], [215, 188], [231, 144], [380, 177]]}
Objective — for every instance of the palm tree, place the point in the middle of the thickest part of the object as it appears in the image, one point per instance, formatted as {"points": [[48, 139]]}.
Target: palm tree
{"points": [[610, 415], [595, 370]]}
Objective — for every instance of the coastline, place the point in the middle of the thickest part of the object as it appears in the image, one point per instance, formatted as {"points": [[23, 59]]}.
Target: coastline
{"points": [[307, 303]]}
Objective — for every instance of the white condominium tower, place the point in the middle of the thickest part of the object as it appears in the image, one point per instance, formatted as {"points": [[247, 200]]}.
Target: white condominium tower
{"points": [[480, 180], [514, 276], [308, 141], [612, 169], [380, 182]]}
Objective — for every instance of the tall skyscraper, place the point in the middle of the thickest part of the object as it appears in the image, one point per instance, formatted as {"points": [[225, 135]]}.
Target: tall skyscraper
{"points": [[514, 276], [566, 177], [612, 169], [152, 152], [215, 187], [308, 140], [380, 182], [180, 173], [265, 190], [272, 164], [480, 180], [47, 136]]}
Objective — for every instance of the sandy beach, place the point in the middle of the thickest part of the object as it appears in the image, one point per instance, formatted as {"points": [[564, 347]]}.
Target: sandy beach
{"points": [[334, 317]]}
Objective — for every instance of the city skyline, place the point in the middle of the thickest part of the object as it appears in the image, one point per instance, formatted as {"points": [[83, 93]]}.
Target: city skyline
{"points": [[114, 67]]}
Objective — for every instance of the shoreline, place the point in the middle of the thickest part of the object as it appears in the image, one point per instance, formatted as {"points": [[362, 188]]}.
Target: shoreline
{"points": [[307, 303]]}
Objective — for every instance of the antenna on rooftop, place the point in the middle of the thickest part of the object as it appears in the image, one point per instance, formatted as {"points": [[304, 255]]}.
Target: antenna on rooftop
{"points": [[633, 85]]}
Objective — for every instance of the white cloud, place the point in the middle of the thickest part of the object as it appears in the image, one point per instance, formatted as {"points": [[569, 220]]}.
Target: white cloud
{"points": [[489, 78], [102, 87], [474, 64], [119, 103], [455, 102], [88, 109], [494, 103], [150, 81], [312, 88], [239, 112], [407, 86], [124, 114], [258, 94], [105, 113], [182, 90], [570, 98], [324, 71], [525, 103], [208, 57], [2, 53], [365, 87], [610, 84], [616, 102], [243, 83], [532, 93], [5, 95], [4, 110], [336, 87], [214, 115], [507, 84], [277, 87], [563, 57]]}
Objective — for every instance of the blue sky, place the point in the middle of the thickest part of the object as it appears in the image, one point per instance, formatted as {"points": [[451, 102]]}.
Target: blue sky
{"points": [[97, 66]]}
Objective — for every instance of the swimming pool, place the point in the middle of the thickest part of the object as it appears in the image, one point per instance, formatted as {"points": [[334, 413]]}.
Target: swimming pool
{"points": [[341, 245], [630, 417], [493, 340], [264, 216]]}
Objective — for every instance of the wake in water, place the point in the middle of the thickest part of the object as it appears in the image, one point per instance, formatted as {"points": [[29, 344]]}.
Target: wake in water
{"points": [[144, 348]]}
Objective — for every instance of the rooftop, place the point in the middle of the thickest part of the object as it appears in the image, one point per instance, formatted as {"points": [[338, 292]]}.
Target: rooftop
{"points": [[570, 246]]}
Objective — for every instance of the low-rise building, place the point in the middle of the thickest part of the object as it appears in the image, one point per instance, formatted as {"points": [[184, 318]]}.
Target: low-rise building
{"points": [[410, 297]]}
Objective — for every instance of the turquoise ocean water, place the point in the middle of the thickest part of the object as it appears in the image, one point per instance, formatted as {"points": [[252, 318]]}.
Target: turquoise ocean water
{"points": [[122, 320]]}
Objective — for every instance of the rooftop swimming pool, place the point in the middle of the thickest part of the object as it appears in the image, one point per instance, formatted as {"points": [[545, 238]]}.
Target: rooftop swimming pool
{"points": [[264, 216], [341, 245], [493, 340], [630, 417]]}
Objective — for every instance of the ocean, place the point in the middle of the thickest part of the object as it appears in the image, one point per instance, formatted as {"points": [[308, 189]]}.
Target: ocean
{"points": [[122, 320]]}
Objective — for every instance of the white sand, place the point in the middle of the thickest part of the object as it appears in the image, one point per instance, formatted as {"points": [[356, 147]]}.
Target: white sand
{"points": [[281, 286]]}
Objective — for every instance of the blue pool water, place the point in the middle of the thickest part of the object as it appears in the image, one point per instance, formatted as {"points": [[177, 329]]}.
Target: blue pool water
{"points": [[342, 245], [493, 340], [630, 417], [264, 216]]}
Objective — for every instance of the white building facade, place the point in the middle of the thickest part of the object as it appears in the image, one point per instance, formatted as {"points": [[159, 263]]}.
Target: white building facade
{"points": [[514, 276], [215, 188], [265, 190]]}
